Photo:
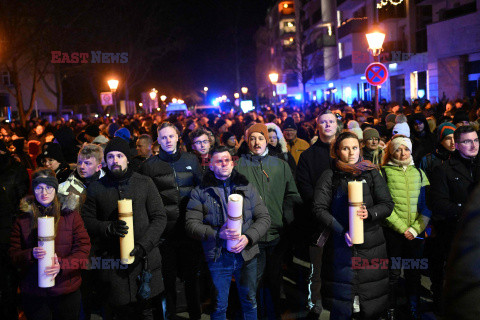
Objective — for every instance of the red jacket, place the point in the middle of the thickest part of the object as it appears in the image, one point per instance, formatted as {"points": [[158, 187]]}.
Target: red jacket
{"points": [[72, 245]]}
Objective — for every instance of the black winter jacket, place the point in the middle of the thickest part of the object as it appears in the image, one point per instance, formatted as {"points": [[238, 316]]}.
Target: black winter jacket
{"points": [[149, 221], [206, 215], [174, 175], [312, 163], [451, 185], [14, 183], [340, 281]]}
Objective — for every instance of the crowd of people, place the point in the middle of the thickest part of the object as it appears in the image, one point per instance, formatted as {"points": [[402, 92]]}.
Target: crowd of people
{"points": [[418, 164]]}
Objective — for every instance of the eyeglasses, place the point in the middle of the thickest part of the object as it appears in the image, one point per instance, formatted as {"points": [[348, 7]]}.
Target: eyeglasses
{"points": [[48, 190], [204, 142], [469, 143]]}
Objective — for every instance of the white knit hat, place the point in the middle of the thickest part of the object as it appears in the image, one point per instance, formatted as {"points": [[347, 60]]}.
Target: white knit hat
{"points": [[401, 128]]}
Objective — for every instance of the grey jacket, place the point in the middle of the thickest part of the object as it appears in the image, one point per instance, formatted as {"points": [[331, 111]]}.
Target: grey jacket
{"points": [[206, 214]]}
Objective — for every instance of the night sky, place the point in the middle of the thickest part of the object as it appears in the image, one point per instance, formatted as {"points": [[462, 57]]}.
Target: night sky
{"points": [[207, 55]]}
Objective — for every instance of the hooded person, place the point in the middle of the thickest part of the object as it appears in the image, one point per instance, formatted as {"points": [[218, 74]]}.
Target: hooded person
{"points": [[52, 157], [423, 141], [371, 143], [100, 214], [66, 139], [277, 145], [409, 218]]}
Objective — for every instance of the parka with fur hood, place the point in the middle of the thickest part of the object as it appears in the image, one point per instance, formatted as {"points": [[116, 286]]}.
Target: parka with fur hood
{"points": [[72, 246]]}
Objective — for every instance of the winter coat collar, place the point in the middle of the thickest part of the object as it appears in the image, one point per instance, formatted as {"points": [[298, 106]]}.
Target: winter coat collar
{"points": [[236, 179], [28, 202], [319, 143], [169, 157]]}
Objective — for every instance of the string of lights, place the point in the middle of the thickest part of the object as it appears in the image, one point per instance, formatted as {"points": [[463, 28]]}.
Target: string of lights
{"points": [[383, 3]]}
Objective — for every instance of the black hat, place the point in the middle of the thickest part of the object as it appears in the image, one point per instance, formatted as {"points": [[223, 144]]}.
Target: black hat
{"points": [[289, 124], [219, 123], [227, 135], [92, 130], [117, 144], [459, 117], [53, 151]]}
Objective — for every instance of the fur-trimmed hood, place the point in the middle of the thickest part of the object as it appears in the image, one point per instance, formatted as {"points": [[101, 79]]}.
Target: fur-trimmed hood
{"points": [[237, 179], [67, 206], [281, 140]]}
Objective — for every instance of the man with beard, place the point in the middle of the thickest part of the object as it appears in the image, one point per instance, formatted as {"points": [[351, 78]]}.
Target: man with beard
{"points": [[100, 214], [274, 181], [452, 184], [175, 174], [14, 183]]}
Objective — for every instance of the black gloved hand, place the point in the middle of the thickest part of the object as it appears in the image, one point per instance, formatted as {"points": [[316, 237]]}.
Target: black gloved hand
{"points": [[138, 252], [117, 228]]}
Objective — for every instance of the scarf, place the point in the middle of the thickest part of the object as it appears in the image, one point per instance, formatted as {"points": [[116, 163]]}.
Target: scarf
{"points": [[357, 168]]}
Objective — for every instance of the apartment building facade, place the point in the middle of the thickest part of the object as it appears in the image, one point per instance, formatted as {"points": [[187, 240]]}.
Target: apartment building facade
{"points": [[431, 48]]}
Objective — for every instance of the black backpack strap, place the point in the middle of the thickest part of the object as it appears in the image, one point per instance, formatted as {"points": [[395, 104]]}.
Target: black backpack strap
{"points": [[384, 173]]}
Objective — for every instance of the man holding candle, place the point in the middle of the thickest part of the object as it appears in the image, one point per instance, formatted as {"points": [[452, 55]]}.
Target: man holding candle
{"points": [[274, 181], [100, 213], [206, 220]]}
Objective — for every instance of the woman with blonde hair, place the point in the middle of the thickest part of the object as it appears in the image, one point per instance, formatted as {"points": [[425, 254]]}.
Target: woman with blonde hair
{"points": [[72, 246], [408, 220]]}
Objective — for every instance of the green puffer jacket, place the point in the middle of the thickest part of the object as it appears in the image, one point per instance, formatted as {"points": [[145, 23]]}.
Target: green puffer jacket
{"points": [[274, 181], [407, 189]]}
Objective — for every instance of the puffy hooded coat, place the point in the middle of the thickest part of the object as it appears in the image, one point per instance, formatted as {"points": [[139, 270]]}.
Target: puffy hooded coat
{"points": [[72, 245], [174, 175], [341, 282], [280, 150]]}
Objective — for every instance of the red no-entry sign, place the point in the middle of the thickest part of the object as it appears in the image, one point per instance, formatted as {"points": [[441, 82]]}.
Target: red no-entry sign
{"points": [[376, 73]]}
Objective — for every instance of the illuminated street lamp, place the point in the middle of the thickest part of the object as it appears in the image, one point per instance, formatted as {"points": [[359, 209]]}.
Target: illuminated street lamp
{"points": [[273, 76], [174, 100], [153, 96], [163, 98], [236, 95], [244, 91], [113, 84], [205, 90], [375, 41]]}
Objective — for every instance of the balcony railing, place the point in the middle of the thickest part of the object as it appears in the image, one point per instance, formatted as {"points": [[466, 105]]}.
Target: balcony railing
{"points": [[458, 11], [345, 63], [353, 25], [392, 12]]}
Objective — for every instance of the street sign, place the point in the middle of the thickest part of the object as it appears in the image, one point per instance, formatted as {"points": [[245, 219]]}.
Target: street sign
{"points": [[281, 88], [106, 98], [376, 73]]}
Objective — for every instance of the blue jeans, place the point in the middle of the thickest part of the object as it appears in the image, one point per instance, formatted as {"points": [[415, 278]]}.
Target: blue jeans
{"points": [[245, 274]]}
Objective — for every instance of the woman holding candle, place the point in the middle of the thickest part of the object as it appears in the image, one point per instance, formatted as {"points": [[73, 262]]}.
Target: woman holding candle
{"points": [[354, 276], [72, 245], [409, 218]]}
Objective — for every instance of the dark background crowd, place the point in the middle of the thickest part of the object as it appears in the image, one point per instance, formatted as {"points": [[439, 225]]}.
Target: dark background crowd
{"points": [[420, 142]]}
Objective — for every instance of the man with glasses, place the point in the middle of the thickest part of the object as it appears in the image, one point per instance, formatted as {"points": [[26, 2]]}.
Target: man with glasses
{"points": [[371, 142], [201, 147], [452, 184]]}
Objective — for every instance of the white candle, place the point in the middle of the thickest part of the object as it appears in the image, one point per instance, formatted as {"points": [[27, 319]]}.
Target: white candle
{"points": [[355, 199], [355, 191], [46, 240], [235, 209], [127, 243], [355, 225]]}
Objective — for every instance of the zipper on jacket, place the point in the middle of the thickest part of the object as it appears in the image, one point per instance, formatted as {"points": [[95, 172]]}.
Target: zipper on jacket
{"points": [[268, 179], [174, 175], [408, 196]]}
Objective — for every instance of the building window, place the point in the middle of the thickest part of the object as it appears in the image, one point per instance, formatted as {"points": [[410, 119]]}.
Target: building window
{"points": [[339, 18], [5, 78], [340, 50]]}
